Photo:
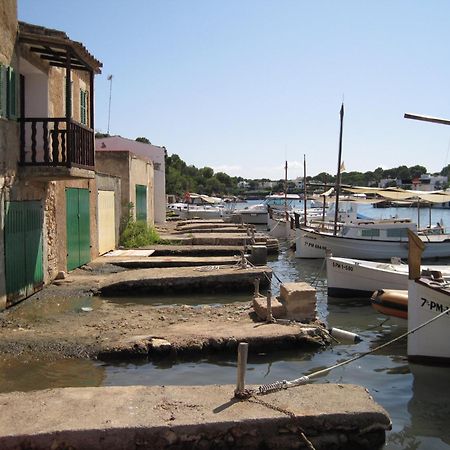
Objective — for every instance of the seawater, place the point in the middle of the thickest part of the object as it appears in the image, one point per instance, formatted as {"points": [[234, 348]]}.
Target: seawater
{"points": [[417, 397]]}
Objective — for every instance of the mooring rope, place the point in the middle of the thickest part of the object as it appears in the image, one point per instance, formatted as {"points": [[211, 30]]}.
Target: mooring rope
{"points": [[278, 385]]}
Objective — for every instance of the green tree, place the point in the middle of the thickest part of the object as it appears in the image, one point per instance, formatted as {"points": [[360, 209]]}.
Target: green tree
{"points": [[144, 140]]}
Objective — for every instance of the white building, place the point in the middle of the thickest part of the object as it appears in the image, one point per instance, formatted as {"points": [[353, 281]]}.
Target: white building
{"points": [[155, 154]]}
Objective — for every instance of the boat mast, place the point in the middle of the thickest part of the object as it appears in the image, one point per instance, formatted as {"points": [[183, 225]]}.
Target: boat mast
{"points": [[304, 189], [338, 177], [285, 187]]}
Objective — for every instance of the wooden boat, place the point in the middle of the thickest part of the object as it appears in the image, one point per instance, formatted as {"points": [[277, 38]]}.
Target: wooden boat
{"points": [[371, 240], [392, 302], [348, 277], [428, 311]]}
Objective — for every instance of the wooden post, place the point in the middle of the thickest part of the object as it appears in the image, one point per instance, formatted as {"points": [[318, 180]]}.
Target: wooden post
{"points": [[256, 282], [415, 249], [269, 317], [241, 368]]}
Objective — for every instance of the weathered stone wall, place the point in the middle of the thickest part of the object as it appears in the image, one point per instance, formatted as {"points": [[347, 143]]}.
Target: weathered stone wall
{"points": [[117, 164], [59, 218], [57, 90], [141, 172], [9, 131]]}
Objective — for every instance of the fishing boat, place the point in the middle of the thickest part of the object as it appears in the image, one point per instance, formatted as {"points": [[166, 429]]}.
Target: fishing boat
{"points": [[428, 311], [369, 239], [349, 277]]}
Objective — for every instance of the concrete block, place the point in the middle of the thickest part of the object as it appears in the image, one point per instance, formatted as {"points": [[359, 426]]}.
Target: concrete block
{"points": [[260, 307], [258, 255], [299, 300]]}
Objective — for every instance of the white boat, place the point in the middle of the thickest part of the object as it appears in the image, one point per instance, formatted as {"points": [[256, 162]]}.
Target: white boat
{"points": [[426, 299], [348, 277], [199, 206], [259, 214], [369, 239]]}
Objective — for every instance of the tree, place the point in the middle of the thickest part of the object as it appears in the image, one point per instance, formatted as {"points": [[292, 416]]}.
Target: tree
{"points": [[144, 140]]}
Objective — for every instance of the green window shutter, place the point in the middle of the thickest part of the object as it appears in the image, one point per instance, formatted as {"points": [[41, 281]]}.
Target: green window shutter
{"points": [[83, 107], [11, 103]]}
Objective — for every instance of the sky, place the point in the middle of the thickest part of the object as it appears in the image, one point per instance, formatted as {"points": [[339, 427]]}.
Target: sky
{"points": [[243, 85]]}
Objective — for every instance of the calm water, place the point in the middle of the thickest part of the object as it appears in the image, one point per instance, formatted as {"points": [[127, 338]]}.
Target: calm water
{"points": [[416, 397]]}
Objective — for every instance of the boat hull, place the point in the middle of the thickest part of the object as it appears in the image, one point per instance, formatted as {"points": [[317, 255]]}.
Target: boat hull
{"points": [[313, 244], [350, 278], [426, 300]]}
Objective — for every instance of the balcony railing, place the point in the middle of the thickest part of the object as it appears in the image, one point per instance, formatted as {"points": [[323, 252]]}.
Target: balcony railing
{"points": [[56, 142]]}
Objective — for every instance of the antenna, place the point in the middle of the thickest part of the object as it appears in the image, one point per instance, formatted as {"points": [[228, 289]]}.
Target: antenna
{"points": [[110, 78]]}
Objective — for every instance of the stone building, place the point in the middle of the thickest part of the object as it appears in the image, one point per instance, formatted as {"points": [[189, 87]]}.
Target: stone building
{"points": [[48, 192], [155, 154], [136, 178]]}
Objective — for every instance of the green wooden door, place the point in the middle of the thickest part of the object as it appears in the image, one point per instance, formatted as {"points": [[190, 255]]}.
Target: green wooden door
{"points": [[141, 202], [23, 249], [78, 227]]}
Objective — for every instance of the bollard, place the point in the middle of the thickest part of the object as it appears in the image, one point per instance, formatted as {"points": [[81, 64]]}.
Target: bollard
{"points": [[256, 282], [243, 261], [241, 368], [269, 317]]}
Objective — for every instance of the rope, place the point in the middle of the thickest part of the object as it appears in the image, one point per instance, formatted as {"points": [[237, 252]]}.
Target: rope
{"points": [[278, 385], [319, 272]]}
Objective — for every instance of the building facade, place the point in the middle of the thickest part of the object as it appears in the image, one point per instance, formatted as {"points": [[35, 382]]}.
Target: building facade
{"points": [[153, 153], [47, 170]]}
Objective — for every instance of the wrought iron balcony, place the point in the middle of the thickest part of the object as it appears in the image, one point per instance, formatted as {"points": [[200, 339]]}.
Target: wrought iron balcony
{"points": [[56, 142]]}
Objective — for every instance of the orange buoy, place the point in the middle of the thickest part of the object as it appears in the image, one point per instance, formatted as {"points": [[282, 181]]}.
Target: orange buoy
{"points": [[392, 302]]}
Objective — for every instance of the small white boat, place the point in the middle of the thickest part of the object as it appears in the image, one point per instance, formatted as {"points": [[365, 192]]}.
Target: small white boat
{"points": [[259, 214], [348, 277], [198, 206]]}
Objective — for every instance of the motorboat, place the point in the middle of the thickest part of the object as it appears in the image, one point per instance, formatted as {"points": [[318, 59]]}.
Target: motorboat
{"points": [[198, 206], [258, 214], [349, 277]]}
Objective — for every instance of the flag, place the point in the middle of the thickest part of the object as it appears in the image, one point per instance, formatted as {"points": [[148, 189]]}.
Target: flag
{"points": [[109, 77], [342, 167]]}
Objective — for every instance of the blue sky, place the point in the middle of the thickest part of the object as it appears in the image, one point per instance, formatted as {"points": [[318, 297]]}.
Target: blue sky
{"points": [[242, 85]]}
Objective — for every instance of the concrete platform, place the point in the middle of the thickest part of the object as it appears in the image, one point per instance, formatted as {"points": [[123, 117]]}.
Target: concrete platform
{"points": [[196, 250], [185, 279], [169, 261], [198, 417]]}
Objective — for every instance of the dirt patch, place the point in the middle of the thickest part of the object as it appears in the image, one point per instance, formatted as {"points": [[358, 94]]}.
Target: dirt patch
{"points": [[55, 323]]}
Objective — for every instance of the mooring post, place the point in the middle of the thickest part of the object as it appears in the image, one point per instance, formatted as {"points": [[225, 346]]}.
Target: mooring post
{"points": [[256, 287], [269, 317], [241, 368]]}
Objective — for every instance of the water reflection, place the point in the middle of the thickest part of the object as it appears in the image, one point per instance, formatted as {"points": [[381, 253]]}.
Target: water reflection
{"points": [[19, 375]]}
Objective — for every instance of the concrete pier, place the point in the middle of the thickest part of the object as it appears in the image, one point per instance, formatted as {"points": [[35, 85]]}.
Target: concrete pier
{"points": [[199, 417], [185, 279]]}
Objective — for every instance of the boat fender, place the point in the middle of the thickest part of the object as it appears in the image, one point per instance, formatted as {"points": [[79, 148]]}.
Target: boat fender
{"points": [[342, 335]]}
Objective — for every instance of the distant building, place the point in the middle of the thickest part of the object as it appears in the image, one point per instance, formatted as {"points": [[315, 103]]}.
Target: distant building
{"points": [[243, 184], [155, 154]]}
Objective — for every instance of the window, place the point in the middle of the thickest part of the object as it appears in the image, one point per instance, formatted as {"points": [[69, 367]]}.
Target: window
{"points": [[370, 232], [8, 92], [84, 107], [397, 232]]}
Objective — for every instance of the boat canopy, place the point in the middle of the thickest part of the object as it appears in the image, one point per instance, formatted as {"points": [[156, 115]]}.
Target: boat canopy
{"points": [[395, 193]]}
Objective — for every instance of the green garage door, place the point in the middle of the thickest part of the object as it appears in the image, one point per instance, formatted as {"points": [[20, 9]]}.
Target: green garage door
{"points": [[141, 202], [78, 227], [23, 249]]}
